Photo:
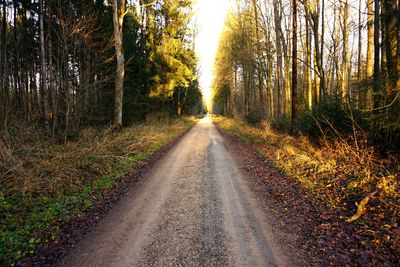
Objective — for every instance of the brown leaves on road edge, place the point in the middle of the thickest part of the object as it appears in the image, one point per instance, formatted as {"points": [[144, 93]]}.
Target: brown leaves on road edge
{"points": [[319, 233]]}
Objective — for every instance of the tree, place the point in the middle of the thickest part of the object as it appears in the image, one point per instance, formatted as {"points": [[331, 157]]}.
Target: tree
{"points": [[43, 69], [118, 20], [279, 53], [345, 69], [370, 50], [376, 54], [313, 12], [259, 63], [309, 93], [392, 29], [294, 64], [370, 39]]}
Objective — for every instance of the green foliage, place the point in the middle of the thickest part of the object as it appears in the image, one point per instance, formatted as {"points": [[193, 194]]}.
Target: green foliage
{"points": [[385, 132], [281, 124], [161, 64], [334, 119], [329, 117], [254, 117]]}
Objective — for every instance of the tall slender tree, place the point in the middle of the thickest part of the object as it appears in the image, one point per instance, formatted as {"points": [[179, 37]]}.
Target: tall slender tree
{"points": [[294, 63], [118, 21], [44, 81]]}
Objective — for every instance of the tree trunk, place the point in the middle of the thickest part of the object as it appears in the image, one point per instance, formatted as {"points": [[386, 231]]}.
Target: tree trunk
{"points": [[321, 59], [345, 53], [370, 51], [294, 65], [44, 69], [279, 70], [314, 16], [118, 18], [259, 56], [391, 18], [370, 39], [376, 54], [3, 38], [308, 60], [391, 43], [271, 91], [359, 57]]}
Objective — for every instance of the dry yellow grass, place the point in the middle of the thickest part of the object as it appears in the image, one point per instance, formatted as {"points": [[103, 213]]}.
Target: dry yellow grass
{"points": [[362, 188], [336, 171], [30, 166]]}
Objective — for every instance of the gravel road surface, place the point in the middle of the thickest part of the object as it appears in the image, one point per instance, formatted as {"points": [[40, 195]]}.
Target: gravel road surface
{"points": [[194, 208]]}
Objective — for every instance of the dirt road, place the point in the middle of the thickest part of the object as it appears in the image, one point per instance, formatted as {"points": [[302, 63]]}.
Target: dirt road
{"points": [[193, 209]]}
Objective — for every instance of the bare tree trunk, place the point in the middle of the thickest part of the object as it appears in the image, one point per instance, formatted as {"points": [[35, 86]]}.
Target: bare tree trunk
{"points": [[370, 39], [259, 56], [359, 57], [382, 42], [52, 89], [321, 59], [44, 69], [346, 52], [391, 42], [294, 65], [317, 79], [287, 81], [376, 54], [308, 60], [314, 16], [3, 38], [118, 19], [370, 51], [279, 70], [391, 30], [271, 91]]}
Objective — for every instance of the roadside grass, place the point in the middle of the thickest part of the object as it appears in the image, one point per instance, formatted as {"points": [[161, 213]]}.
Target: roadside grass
{"points": [[353, 180], [43, 185]]}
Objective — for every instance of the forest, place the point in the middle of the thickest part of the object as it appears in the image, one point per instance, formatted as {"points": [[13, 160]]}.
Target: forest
{"points": [[336, 60], [59, 59], [314, 86]]}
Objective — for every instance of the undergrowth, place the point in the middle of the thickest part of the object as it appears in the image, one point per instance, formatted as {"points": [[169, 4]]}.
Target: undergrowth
{"points": [[43, 185], [344, 172]]}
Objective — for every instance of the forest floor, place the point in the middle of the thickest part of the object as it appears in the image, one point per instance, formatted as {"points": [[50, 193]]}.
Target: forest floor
{"points": [[48, 189], [313, 192]]}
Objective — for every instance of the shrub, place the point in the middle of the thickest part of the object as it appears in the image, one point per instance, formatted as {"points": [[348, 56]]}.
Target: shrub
{"points": [[254, 116], [329, 117]]}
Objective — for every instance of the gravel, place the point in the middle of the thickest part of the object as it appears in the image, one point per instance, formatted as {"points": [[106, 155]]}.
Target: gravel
{"points": [[193, 208]]}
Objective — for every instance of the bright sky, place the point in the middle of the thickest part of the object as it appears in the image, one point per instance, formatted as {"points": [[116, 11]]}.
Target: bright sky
{"points": [[210, 17]]}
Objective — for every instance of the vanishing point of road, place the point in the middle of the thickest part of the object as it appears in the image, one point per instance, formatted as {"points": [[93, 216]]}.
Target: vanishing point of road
{"points": [[194, 208]]}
